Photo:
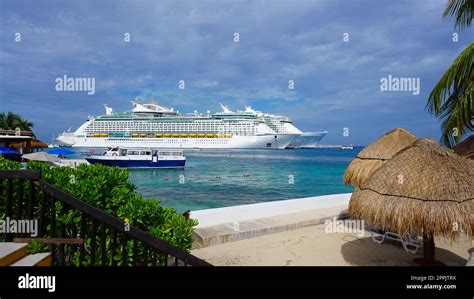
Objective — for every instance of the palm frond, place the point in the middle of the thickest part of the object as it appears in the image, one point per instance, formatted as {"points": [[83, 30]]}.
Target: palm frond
{"points": [[451, 100], [462, 11], [457, 115], [460, 71]]}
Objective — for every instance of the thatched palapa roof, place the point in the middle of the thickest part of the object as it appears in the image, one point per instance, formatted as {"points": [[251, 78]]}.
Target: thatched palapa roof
{"points": [[375, 154], [35, 144], [424, 188], [466, 148]]}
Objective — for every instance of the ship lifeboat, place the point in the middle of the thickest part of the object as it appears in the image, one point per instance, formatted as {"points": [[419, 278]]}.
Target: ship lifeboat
{"points": [[219, 135], [135, 135], [167, 135], [104, 135], [175, 135], [192, 135], [96, 134], [201, 135], [159, 135], [142, 135], [184, 135], [227, 135], [210, 135]]}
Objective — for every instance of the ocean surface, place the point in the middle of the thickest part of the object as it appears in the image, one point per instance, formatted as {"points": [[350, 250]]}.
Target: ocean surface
{"points": [[221, 178]]}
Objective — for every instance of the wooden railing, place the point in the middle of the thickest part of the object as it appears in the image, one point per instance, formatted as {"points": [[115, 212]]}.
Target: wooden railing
{"points": [[106, 240]]}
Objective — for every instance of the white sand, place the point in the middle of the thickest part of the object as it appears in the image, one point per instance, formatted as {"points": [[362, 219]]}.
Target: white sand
{"points": [[312, 246]]}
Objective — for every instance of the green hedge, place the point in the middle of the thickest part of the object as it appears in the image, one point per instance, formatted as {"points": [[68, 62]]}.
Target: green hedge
{"points": [[108, 188]]}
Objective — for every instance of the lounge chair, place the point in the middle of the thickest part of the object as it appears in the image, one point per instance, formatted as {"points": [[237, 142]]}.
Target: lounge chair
{"points": [[410, 243]]}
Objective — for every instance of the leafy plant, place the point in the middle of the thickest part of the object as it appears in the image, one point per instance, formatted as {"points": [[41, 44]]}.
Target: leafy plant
{"points": [[452, 98], [37, 247], [108, 189]]}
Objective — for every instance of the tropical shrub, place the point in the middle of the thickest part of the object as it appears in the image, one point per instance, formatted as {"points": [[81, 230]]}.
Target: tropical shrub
{"points": [[108, 188]]}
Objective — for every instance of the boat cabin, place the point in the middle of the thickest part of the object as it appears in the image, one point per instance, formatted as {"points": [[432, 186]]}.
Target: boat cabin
{"points": [[116, 151]]}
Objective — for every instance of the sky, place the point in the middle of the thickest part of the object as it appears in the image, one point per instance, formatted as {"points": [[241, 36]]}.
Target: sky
{"points": [[334, 52]]}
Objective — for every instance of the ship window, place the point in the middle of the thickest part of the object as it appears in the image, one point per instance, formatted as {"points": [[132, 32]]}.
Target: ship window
{"points": [[133, 153]]}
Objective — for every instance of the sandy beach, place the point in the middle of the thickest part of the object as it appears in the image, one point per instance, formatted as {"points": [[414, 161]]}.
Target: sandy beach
{"points": [[312, 246]]}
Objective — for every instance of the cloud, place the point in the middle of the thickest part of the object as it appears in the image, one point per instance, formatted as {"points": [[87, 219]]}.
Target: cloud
{"points": [[205, 83], [336, 83]]}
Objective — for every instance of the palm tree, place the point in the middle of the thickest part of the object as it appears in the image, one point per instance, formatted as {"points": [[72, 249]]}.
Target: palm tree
{"points": [[462, 10], [23, 124], [451, 100], [7, 121], [11, 121]]}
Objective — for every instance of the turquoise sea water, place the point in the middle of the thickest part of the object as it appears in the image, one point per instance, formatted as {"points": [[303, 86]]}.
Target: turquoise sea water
{"points": [[220, 178], [214, 179]]}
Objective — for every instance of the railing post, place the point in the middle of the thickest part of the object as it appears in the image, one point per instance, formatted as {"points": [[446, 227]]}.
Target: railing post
{"points": [[135, 255], [102, 244], [8, 209], [53, 227], [31, 199], [124, 251], [93, 243], [19, 205], [62, 251], [42, 214], [114, 246], [83, 236]]}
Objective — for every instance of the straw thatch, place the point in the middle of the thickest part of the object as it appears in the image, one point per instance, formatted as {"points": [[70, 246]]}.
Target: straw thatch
{"points": [[466, 148], [425, 188], [35, 144], [375, 154]]}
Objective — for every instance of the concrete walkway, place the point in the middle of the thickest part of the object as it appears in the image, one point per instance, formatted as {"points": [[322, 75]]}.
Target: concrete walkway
{"points": [[230, 224]]}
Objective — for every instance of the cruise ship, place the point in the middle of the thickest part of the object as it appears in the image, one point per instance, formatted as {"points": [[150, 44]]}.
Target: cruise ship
{"points": [[308, 140], [152, 125]]}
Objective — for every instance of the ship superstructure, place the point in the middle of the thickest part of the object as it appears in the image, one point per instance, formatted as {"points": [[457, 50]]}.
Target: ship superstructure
{"points": [[152, 125]]}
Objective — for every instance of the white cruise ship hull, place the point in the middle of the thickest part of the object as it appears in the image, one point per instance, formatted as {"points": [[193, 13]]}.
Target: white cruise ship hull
{"points": [[273, 141], [308, 139]]}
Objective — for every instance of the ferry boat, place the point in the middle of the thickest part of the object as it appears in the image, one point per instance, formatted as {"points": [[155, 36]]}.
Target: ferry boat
{"points": [[140, 158], [347, 147], [152, 125]]}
